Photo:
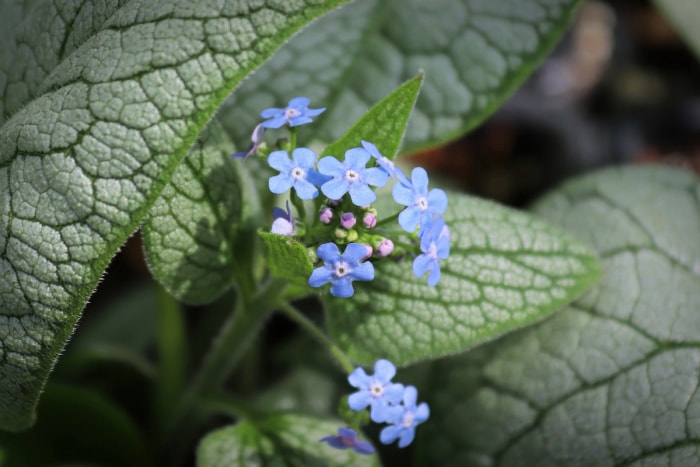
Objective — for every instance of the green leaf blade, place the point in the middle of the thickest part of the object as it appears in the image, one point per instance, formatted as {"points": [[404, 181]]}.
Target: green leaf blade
{"points": [[82, 162], [475, 54], [612, 379], [505, 270], [284, 439]]}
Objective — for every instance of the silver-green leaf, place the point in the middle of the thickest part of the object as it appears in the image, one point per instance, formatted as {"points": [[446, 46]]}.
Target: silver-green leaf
{"points": [[505, 270], [82, 161], [280, 439], [475, 53], [614, 378]]}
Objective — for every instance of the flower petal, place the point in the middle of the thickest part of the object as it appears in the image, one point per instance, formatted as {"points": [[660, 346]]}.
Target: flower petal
{"points": [[305, 190], [437, 200], [359, 379], [320, 276], [328, 252], [280, 183], [403, 194], [384, 370], [304, 157], [419, 179], [363, 271], [299, 102], [409, 219], [361, 194], [329, 165], [422, 413], [407, 437], [275, 122], [356, 158], [371, 149], [363, 447], [314, 112], [359, 400], [421, 265], [434, 276], [375, 176], [354, 252], [279, 160], [410, 395], [389, 434], [342, 287], [272, 112], [335, 188], [301, 120]]}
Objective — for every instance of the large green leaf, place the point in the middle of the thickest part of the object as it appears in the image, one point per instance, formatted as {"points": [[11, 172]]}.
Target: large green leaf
{"points": [[84, 159], [474, 53], [505, 270], [684, 15], [282, 439], [613, 379], [190, 234]]}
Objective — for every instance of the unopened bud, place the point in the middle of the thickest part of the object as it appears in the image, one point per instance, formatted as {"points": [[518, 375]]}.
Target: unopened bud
{"points": [[341, 234], [325, 215], [370, 220], [352, 235], [347, 220], [369, 251], [385, 248]]}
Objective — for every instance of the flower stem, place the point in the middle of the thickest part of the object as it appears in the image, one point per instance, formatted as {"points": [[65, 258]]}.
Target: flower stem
{"points": [[387, 220], [292, 139], [307, 324]]}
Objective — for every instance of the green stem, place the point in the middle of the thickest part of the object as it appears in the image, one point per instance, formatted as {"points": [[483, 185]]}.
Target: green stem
{"points": [[228, 347], [292, 140], [172, 353], [387, 220], [307, 324]]}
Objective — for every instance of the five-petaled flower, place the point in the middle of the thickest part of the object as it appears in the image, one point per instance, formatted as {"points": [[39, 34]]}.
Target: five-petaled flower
{"points": [[347, 438], [422, 205], [435, 245], [298, 173], [404, 418], [341, 270], [376, 391], [351, 176], [384, 162], [296, 113]]}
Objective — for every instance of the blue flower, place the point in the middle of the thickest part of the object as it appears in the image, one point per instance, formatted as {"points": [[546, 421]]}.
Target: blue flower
{"points": [[404, 418], [298, 173], [283, 223], [352, 176], [384, 162], [347, 438], [422, 205], [341, 270], [257, 138], [296, 113], [376, 391], [435, 245]]}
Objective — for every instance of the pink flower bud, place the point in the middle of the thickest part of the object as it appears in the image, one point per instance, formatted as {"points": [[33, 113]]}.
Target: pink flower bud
{"points": [[369, 251], [326, 215], [347, 220], [370, 220], [385, 248]]}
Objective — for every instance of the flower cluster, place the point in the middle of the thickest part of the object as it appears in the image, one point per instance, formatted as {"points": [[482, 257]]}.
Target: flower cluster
{"points": [[345, 218], [391, 403]]}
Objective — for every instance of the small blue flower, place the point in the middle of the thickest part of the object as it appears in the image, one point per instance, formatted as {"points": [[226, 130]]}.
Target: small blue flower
{"points": [[422, 205], [384, 162], [257, 138], [404, 418], [435, 245], [283, 223], [376, 391], [296, 113], [341, 270], [352, 176], [298, 173], [347, 438]]}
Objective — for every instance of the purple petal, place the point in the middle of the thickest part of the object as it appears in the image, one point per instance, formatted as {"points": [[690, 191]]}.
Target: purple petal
{"points": [[359, 400], [328, 252], [363, 271], [407, 437], [359, 379], [409, 219], [363, 447], [361, 194], [320, 276], [375, 176], [356, 158], [354, 252], [334, 441], [305, 190], [301, 120], [421, 265], [384, 370], [403, 194], [280, 183], [279, 160], [347, 433], [304, 157], [299, 102], [272, 112], [389, 434], [419, 179], [258, 134], [335, 188], [329, 165], [437, 200], [342, 287], [314, 112]]}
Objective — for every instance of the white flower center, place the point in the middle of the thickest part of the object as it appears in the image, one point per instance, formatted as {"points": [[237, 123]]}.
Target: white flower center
{"points": [[291, 112], [352, 176], [341, 269], [298, 173], [407, 420], [422, 203], [376, 389], [432, 250]]}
